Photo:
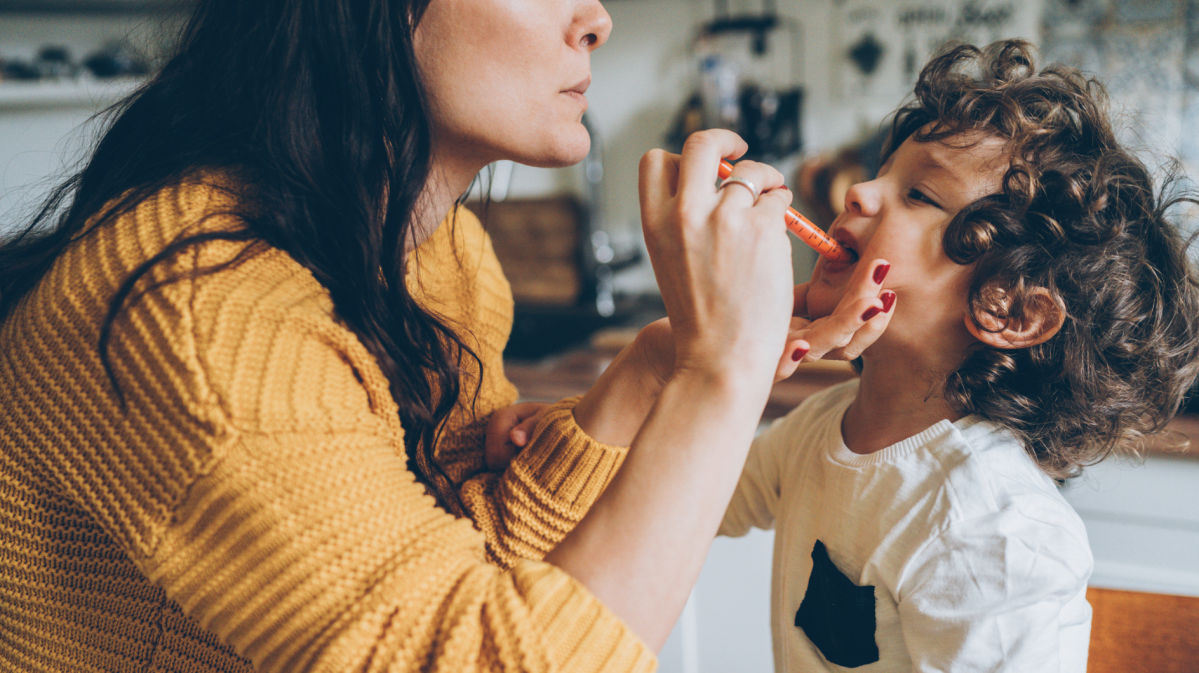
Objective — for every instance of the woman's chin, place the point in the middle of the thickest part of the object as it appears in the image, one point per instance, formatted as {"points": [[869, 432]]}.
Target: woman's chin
{"points": [[566, 150]]}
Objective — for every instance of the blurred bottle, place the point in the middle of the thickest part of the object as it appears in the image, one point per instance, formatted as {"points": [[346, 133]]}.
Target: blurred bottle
{"points": [[54, 62], [719, 90]]}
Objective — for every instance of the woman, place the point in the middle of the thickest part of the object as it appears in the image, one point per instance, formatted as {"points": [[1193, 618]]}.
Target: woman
{"points": [[238, 365]]}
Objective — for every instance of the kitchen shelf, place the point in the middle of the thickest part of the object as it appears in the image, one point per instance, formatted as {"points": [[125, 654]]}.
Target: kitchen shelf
{"points": [[85, 92]]}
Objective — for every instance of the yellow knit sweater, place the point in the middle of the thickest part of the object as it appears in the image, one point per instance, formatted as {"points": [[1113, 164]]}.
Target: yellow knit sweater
{"points": [[251, 502]]}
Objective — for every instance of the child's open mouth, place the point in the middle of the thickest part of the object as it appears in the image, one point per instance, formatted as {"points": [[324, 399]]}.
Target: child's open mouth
{"points": [[850, 245]]}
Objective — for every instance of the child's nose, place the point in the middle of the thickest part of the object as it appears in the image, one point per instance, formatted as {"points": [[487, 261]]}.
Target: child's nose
{"points": [[863, 199]]}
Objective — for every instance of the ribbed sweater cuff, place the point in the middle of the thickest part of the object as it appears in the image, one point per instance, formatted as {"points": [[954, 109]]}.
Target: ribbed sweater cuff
{"points": [[565, 462]]}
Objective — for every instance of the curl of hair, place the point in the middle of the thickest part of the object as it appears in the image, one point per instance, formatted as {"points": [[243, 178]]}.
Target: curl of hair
{"points": [[1078, 215], [319, 106]]}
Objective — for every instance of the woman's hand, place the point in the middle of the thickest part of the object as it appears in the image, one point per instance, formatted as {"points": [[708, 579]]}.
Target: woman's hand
{"points": [[721, 256], [653, 352], [723, 264], [508, 431]]}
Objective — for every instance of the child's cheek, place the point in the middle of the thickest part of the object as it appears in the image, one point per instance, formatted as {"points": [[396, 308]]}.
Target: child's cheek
{"points": [[822, 300]]}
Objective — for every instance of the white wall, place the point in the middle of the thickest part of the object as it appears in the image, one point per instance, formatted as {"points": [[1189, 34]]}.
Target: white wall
{"points": [[726, 624], [1143, 523], [45, 130]]}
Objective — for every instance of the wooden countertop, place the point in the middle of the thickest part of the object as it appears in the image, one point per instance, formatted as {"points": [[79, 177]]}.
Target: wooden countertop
{"points": [[573, 372]]}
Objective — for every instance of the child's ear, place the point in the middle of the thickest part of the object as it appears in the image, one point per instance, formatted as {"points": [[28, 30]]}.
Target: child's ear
{"points": [[1041, 318]]}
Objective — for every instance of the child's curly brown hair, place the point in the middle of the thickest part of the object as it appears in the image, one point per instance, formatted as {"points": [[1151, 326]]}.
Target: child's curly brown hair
{"points": [[1079, 216]]}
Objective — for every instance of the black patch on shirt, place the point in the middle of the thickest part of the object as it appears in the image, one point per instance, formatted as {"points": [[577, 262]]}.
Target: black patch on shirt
{"points": [[838, 615]]}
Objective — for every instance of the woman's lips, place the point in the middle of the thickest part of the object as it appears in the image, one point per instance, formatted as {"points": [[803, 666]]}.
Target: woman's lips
{"points": [[578, 97], [579, 91], [581, 87]]}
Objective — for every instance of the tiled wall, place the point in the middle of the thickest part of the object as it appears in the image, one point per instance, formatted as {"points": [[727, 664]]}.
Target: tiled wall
{"points": [[1147, 53]]}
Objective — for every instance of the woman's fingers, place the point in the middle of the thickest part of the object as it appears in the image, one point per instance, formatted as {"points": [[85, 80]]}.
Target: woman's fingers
{"points": [[799, 304], [851, 329], [869, 332], [720, 255], [703, 152], [866, 281], [795, 351], [659, 177], [859, 319]]}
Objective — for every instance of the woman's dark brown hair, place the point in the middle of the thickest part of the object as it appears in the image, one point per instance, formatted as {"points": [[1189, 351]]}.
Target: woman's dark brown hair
{"points": [[1080, 216], [319, 103]]}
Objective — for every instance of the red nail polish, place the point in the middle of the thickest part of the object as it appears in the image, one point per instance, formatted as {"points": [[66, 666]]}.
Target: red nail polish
{"points": [[888, 301], [798, 354], [880, 272], [871, 312]]}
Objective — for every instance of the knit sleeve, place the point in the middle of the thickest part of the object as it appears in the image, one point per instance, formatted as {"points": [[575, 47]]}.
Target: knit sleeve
{"points": [[307, 545], [527, 510]]}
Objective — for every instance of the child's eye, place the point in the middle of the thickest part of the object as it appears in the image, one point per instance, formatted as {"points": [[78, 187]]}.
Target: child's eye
{"points": [[919, 196]]}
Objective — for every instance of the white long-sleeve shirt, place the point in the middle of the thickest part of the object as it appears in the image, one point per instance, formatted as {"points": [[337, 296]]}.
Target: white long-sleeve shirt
{"points": [[948, 551]]}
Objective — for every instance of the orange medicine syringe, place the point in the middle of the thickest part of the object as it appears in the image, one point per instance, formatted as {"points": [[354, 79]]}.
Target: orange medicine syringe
{"points": [[807, 232]]}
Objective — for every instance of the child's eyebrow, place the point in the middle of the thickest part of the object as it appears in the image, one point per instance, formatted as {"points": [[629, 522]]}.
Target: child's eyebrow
{"points": [[930, 163]]}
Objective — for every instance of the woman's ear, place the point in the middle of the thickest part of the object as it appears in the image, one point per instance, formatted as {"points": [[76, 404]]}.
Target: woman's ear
{"points": [[1041, 318]]}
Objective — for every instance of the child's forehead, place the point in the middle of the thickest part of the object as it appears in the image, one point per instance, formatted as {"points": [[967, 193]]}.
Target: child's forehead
{"points": [[963, 148], [973, 162]]}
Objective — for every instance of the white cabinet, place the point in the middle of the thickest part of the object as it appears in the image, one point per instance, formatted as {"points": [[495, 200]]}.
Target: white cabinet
{"points": [[725, 627], [1143, 523]]}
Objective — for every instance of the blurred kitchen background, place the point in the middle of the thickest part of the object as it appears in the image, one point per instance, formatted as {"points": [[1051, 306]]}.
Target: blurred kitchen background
{"points": [[807, 84]]}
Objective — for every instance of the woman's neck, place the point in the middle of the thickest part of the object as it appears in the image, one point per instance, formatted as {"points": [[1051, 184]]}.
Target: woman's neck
{"points": [[900, 395], [448, 179]]}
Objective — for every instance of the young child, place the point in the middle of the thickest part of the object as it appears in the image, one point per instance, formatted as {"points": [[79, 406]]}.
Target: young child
{"points": [[1045, 317]]}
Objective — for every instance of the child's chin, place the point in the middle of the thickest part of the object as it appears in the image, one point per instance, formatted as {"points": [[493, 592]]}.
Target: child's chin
{"points": [[821, 306]]}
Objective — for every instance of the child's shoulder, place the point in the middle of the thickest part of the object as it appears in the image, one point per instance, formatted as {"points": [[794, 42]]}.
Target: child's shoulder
{"points": [[988, 470]]}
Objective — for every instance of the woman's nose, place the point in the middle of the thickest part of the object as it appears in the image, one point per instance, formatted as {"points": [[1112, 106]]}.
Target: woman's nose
{"points": [[592, 25], [863, 198]]}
